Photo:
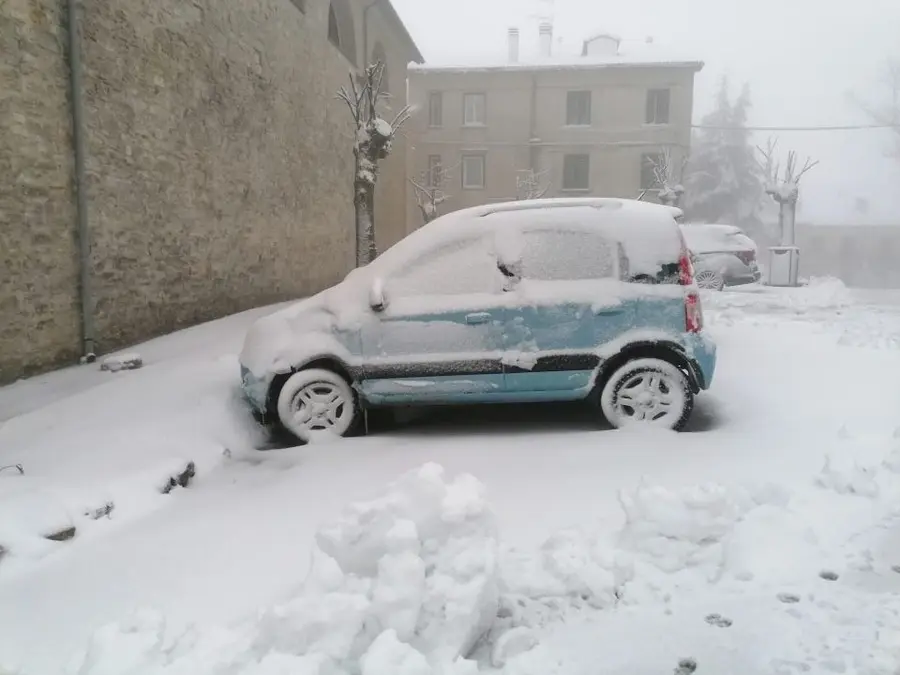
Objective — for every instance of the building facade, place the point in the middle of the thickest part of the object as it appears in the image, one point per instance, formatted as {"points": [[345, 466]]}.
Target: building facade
{"points": [[590, 124], [218, 165]]}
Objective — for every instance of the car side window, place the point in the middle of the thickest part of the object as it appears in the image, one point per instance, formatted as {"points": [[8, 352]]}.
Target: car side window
{"points": [[569, 255], [461, 267]]}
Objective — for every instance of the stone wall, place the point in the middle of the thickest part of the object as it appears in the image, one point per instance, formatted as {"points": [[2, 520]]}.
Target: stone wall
{"points": [[39, 316], [219, 166]]}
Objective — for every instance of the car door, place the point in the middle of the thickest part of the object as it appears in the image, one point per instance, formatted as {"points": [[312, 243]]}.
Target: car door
{"points": [[568, 302], [439, 337]]}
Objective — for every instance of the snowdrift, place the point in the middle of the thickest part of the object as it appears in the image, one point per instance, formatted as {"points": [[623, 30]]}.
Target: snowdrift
{"points": [[413, 582], [403, 584]]}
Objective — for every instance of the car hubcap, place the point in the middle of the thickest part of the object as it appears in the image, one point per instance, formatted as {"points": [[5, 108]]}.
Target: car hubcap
{"points": [[321, 406], [708, 280], [648, 397]]}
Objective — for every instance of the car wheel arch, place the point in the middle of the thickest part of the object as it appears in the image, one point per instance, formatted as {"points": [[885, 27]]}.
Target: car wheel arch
{"points": [[324, 362], [671, 352]]}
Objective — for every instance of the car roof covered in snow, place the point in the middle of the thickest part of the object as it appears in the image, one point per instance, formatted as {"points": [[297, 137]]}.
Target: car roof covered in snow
{"points": [[648, 232], [712, 237]]}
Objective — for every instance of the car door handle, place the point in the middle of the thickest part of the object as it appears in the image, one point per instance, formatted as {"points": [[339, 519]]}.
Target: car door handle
{"points": [[477, 317], [610, 311]]}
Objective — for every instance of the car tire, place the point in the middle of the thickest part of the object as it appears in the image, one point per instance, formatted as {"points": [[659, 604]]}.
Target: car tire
{"points": [[647, 392], [709, 280], [317, 403]]}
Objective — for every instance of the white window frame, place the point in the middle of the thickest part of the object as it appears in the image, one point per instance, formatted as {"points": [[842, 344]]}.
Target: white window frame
{"points": [[471, 120], [466, 183]]}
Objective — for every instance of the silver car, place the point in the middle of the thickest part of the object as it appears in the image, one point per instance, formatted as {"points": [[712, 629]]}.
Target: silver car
{"points": [[723, 255]]}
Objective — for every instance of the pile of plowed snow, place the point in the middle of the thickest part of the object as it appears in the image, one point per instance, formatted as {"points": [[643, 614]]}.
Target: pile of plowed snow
{"points": [[413, 581]]}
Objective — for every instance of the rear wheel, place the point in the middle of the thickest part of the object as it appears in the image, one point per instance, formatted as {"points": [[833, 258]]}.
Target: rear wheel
{"points": [[709, 280], [647, 392], [317, 403]]}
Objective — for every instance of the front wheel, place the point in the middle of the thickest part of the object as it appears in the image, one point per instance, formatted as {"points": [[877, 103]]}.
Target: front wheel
{"points": [[317, 403], [709, 280], [649, 392]]}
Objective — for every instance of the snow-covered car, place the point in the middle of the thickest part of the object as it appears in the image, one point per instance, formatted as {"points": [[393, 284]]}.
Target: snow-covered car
{"points": [[723, 255], [531, 301]]}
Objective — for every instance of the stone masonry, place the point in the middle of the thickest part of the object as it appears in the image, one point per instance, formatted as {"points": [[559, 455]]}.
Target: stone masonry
{"points": [[219, 166]]}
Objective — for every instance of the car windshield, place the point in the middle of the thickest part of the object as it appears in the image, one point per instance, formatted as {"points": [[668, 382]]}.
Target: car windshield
{"points": [[449, 337]]}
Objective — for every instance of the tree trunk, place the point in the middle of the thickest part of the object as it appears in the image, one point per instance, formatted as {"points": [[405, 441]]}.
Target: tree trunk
{"points": [[364, 204]]}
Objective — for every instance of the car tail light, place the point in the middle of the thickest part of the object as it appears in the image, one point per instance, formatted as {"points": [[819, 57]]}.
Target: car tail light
{"points": [[693, 313], [685, 268], [746, 257]]}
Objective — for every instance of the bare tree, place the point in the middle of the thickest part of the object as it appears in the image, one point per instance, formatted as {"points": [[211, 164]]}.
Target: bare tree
{"points": [[668, 177], [887, 111], [531, 184], [784, 186], [373, 141], [429, 191]]}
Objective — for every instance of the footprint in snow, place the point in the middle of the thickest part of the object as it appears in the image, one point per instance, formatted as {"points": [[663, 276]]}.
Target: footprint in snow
{"points": [[789, 598], [718, 620], [828, 575]]}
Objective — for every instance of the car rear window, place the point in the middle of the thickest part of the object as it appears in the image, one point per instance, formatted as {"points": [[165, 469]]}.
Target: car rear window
{"points": [[568, 255]]}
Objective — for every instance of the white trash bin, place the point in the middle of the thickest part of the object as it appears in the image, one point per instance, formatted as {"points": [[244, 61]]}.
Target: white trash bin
{"points": [[784, 265]]}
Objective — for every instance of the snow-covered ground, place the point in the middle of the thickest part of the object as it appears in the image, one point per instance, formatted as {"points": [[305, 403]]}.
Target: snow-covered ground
{"points": [[766, 539]]}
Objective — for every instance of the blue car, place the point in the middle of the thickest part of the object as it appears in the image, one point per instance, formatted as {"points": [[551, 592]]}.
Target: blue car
{"points": [[529, 301]]}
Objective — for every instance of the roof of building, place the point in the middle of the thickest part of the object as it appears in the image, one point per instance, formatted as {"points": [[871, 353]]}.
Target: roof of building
{"points": [[630, 55], [394, 18]]}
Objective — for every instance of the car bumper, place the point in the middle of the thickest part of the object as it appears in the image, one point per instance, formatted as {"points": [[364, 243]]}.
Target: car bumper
{"points": [[255, 390], [702, 351]]}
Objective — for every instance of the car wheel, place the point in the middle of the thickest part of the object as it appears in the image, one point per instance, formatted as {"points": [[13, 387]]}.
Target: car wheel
{"points": [[709, 280], [317, 403], [648, 392]]}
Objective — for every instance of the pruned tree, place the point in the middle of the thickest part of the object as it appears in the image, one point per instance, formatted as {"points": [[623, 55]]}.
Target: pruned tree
{"points": [[667, 174], [886, 112], [429, 191], [531, 184], [372, 143], [783, 185]]}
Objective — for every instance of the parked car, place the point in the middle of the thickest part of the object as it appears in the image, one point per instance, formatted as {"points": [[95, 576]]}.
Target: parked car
{"points": [[532, 301], [722, 256]]}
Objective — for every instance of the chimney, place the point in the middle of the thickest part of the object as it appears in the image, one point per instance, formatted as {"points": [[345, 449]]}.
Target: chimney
{"points": [[513, 45], [546, 34]]}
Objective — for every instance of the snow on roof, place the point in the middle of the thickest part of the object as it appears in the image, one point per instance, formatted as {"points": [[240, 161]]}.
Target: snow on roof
{"points": [[630, 55]]}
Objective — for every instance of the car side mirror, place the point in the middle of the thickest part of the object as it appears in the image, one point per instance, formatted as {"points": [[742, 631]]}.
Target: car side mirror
{"points": [[377, 300]]}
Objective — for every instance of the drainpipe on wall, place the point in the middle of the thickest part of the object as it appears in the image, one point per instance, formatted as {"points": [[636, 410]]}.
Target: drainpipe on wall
{"points": [[365, 32], [84, 243]]}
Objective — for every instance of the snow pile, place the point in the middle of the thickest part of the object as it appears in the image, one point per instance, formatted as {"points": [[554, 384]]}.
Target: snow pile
{"points": [[403, 584], [128, 361]]}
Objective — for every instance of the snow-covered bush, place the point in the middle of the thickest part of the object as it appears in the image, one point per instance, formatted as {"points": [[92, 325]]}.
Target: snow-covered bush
{"points": [[402, 584]]}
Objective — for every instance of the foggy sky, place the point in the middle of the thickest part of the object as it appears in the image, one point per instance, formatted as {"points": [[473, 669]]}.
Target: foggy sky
{"points": [[802, 62]]}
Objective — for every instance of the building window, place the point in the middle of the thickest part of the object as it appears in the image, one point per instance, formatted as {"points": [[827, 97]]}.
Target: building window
{"points": [[300, 4], [474, 110], [341, 32], [578, 108], [649, 162], [576, 172], [658, 106], [473, 172], [436, 109], [434, 177], [334, 32]]}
